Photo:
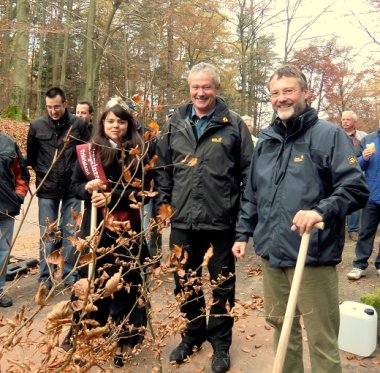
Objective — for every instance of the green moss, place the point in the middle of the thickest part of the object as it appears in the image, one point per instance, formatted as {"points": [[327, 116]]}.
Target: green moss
{"points": [[372, 299], [13, 112]]}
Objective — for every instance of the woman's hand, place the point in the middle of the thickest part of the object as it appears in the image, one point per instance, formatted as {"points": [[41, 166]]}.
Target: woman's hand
{"points": [[100, 199], [95, 185]]}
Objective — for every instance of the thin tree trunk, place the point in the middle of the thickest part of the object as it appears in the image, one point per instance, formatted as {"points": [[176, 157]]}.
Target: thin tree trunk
{"points": [[66, 43], [18, 98]]}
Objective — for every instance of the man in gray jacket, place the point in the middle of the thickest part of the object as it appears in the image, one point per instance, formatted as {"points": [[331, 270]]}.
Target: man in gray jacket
{"points": [[303, 171], [204, 155]]}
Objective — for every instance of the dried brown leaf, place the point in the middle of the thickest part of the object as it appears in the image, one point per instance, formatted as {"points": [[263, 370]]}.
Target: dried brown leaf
{"points": [[82, 288], [55, 257], [208, 256], [40, 297], [112, 284], [177, 251], [127, 175], [193, 161], [135, 151], [59, 315], [85, 259], [165, 212]]}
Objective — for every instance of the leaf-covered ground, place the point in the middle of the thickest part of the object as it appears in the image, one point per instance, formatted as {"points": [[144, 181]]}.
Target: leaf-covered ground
{"points": [[17, 130]]}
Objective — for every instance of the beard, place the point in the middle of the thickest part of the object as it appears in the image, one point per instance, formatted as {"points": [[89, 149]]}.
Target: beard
{"points": [[290, 112]]}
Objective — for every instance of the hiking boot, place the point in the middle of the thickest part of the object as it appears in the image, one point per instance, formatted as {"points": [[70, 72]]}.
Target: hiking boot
{"points": [[5, 300], [220, 362], [355, 274], [182, 352], [354, 236]]}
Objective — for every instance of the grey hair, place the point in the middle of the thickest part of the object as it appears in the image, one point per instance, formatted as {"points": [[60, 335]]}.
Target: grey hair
{"points": [[353, 114], [289, 71], [206, 68]]}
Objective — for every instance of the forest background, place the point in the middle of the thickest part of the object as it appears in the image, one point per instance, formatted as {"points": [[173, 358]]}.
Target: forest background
{"points": [[143, 49]]}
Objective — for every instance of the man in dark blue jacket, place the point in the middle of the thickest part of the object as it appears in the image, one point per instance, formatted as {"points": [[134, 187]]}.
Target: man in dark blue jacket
{"points": [[203, 160], [51, 144], [369, 160], [303, 171], [14, 186]]}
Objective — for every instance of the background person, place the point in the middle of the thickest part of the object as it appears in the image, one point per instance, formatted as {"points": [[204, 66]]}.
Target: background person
{"points": [[348, 123], [46, 138], [14, 177], [249, 122], [303, 171], [369, 161], [205, 198], [85, 110]]}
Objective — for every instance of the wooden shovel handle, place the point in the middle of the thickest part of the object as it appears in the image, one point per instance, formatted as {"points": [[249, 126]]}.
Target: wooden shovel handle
{"points": [[94, 221], [292, 302]]}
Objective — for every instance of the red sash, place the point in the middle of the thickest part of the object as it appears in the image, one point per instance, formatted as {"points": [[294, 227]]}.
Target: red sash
{"points": [[92, 168]]}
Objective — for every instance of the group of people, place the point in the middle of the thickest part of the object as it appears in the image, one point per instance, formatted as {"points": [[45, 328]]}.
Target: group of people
{"points": [[302, 171], [362, 224]]}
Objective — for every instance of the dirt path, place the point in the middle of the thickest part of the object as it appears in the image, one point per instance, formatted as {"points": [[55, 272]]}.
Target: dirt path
{"points": [[251, 350]]}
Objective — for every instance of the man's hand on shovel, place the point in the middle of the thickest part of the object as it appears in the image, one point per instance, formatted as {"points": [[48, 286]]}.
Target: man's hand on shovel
{"points": [[304, 221]]}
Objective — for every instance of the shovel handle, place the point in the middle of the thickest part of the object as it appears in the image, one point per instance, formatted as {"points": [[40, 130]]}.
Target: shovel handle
{"points": [[94, 220], [292, 302]]}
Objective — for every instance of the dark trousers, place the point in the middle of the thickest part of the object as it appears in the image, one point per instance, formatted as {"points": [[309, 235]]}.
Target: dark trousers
{"points": [[370, 221], [221, 265]]}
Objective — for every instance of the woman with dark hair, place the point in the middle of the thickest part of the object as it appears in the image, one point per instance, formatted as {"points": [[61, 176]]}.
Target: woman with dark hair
{"points": [[109, 167]]}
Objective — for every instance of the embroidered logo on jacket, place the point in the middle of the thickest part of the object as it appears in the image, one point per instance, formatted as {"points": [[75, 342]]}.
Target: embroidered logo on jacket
{"points": [[216, 139], [298, 159], [352, 159]]}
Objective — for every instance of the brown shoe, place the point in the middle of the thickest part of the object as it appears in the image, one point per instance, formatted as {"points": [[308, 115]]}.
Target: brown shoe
{"points": [[353, 236]]}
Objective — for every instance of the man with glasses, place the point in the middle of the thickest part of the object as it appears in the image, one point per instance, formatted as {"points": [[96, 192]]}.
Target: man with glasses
{"points": [[303, 171], [51, 144]]}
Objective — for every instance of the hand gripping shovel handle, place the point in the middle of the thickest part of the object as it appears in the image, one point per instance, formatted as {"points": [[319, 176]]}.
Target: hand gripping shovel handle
{"points": [[292, 302], [94, 220]]}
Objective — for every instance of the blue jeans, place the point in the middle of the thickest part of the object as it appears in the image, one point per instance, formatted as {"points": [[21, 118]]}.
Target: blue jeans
{"points": [[353, 221], [6, 234], [364, 246], [49, 209]]}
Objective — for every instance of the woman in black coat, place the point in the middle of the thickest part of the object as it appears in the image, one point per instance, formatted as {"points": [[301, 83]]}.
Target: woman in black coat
{"points": [[114, 169]]}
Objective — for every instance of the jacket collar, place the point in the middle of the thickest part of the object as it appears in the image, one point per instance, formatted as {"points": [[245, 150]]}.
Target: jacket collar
{"points": [[295, 127]]}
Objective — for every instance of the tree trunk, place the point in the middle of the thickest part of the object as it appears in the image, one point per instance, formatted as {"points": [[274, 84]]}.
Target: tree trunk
{"points": [[19, 89], [89, 57], [66, 43]]}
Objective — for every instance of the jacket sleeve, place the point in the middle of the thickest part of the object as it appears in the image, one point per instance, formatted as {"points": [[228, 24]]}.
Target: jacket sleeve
{"points": [[20, 173], [31, 147], [245, 153], [78, 184], [349, 189], [164, 170], [247, 218]]}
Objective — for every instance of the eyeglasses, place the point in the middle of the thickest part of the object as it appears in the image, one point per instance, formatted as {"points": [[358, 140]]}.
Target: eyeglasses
{"points": [[286, 92], [55, 107]]}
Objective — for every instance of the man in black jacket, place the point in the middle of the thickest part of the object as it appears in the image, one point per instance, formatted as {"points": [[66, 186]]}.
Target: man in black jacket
{"points": [[51, 144], [203, 159], [303, 171]]}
